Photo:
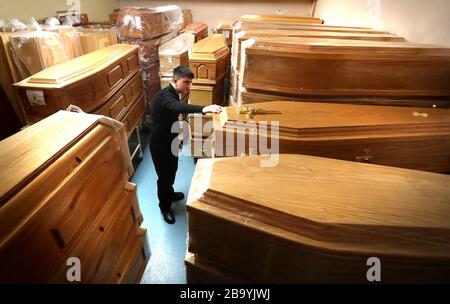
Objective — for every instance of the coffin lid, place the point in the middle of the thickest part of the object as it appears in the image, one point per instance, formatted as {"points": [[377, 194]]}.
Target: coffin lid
{"points": [[280, 19], [196, 26], [209, 49], [308, 119], [319, 34], [78, 68], [26, 153], [344, 46], [329, 204]]}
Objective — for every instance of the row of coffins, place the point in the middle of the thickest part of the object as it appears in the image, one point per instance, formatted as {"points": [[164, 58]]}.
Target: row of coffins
{"points": [[67, 211], [26, 52], [328, 191]]}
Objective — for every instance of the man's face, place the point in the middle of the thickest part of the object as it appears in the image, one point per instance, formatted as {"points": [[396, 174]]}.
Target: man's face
{"points": [[183, 85]]}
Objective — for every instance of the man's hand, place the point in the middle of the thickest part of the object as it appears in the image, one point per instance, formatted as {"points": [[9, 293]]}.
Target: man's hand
{"points": [[212, 109]]}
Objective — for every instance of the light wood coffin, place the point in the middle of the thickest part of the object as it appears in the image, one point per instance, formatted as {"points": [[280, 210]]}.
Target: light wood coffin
{"points": [[226, 29], [95, 39], [88, 81], [144, 23], [9, 76], [175, 53], [309, 67], [280, 19], [318, 220], [65, 193], [36, 51], [393, 136], [209, 59]]}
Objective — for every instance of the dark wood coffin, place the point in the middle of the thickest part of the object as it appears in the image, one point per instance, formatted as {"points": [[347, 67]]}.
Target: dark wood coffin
{"points": [[310, 67], [394, 136], [316, 220], [65, 193]]}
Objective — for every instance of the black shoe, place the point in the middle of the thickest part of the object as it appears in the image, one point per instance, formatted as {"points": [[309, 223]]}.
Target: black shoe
{"points": [[168, 216], [178, 196]]}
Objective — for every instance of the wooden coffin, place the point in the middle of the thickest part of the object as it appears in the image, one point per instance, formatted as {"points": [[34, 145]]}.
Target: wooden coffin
{"points": [[317, 227], [200, 131], [144, 23], [70, 38], [200, 30], [65, 193], [127, 105], [175, 53], [226, 29], [279, 19], [255, 96], [88, 82], [36, 51], [149, 48], [209, 59], [208, 94], [9, 75], [309, 67], [394, 136], [187, 17]]}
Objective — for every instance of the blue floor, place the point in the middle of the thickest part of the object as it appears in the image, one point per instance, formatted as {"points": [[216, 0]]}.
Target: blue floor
{"points": [[167, 242]]}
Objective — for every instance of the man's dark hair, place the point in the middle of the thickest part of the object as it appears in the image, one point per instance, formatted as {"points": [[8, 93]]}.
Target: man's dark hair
{"points": [[181, 72]]}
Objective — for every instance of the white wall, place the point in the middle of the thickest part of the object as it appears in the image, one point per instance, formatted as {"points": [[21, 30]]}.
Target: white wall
{"points": [[212, 12], [423, 21]]}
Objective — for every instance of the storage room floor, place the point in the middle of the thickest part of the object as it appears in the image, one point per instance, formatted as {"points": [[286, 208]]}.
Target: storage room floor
{"points": [[167, 242]]}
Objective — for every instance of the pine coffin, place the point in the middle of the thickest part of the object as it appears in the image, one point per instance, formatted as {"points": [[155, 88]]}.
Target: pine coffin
{"points": [[209, 60], [393, 136], [316, 227], [309, 67], [65, 193], [88, 82]]}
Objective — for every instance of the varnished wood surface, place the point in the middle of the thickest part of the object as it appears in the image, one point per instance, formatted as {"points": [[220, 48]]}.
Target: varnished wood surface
{"points": [[279, 19], [330, 67], [396, 136], [358, 211]]}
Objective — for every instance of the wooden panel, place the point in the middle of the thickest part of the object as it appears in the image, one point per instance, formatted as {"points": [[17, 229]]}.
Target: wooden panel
{"points": [[200, 30], [204, 94], [280, 19], [134, 115], [395, 136], [319, 227]]}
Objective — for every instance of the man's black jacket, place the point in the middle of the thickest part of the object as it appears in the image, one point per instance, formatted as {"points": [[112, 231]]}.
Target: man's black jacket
{"points": [[166, 109]]}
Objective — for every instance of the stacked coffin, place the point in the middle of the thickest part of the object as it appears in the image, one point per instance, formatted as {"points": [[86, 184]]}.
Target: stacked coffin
{"points": [[201, 135], [370, 72], [149, 28], [405, 137], [198, 29], [316, 227], [209, 63], [104, 82], [65, 200], [173, 54]]}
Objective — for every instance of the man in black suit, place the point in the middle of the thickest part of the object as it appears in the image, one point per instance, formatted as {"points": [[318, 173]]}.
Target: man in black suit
{"points": [[166, 109]]}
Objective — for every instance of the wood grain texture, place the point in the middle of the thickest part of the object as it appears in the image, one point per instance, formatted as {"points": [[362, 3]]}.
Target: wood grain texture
{"points": [[280, 19], [66, 194], [393, 136], [314, 226], [353, 68]]}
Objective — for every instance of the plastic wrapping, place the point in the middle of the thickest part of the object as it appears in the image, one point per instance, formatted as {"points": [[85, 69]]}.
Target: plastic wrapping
{"points": [[52, 22], [144, 23], [70, 38], [175, 53], [37, 50], [94, 39], [15, 25]]}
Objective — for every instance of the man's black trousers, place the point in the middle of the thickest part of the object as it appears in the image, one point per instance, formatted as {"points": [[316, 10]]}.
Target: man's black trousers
{"points": [[166, 165]]}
